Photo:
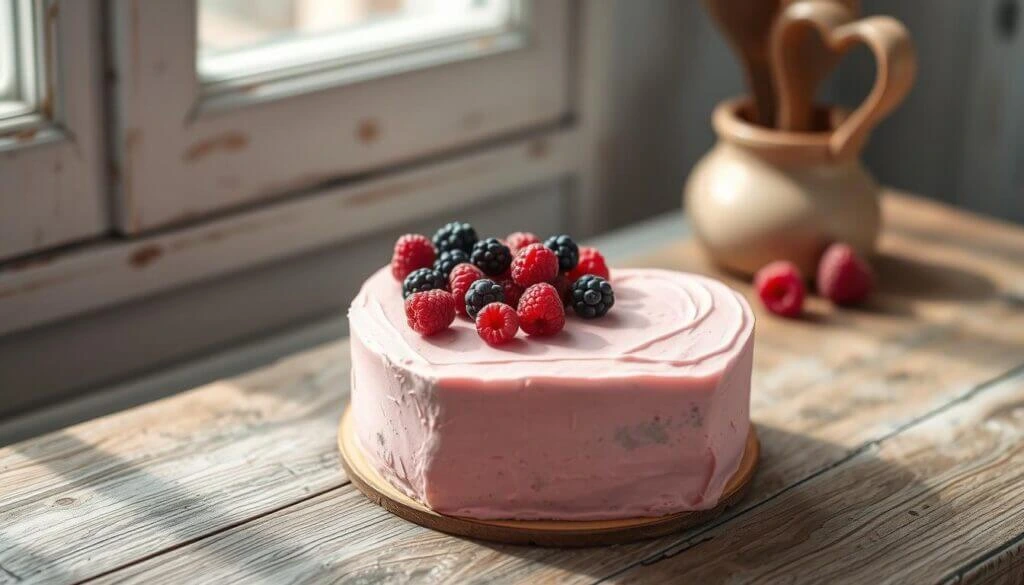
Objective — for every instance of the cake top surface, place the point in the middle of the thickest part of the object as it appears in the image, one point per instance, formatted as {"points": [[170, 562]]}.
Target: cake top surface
{"points": [[664, 323]]}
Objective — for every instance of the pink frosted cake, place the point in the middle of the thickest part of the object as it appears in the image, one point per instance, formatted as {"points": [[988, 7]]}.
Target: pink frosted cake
{"points": [[643, 412]]}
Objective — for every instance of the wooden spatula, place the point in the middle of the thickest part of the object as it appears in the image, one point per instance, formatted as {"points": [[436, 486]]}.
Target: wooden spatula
{"points": [[747, 25]]}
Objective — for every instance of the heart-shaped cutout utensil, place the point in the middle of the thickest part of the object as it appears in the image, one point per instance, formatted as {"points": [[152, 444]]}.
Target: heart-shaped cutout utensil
{"points": [[837, 27], [816, 63]]}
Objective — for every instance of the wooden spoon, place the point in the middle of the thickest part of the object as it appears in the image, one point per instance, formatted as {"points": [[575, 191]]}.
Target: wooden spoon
{"points": [[747, 25], [795, 111]]}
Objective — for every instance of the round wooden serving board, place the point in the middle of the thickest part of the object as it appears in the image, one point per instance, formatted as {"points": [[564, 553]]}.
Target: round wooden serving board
{"points": [[537, 532]]}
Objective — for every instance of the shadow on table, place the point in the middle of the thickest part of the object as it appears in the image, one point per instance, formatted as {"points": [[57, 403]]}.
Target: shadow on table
{"points": [[168, 506], [815, 482]]}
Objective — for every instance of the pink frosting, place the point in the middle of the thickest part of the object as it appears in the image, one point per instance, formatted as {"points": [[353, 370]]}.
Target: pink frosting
{"points": [[643, 412]]}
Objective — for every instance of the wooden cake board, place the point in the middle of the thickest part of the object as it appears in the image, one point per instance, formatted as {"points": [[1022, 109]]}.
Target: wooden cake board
{"points": [[537, 532]]}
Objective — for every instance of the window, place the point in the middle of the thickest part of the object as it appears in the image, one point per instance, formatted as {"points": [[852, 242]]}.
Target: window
{"points": [[51, 180], [225, 103]]}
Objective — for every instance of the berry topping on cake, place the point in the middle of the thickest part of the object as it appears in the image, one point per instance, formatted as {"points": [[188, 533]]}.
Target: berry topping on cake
{"points": [[491, 256], [592, 296], [412, 251], [591, 262], [563, 285], [497, 323], [781, 288], [450, 259], [455, 235], [534, 264], [482, 293], [421, 280], [513, 291], [459, 281], [516, 241], [843, 276], [567, 251], [430, 312], [541, 312]]}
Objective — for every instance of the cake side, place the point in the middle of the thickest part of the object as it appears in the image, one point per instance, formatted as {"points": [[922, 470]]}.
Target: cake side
{"points": [[643, 415]]}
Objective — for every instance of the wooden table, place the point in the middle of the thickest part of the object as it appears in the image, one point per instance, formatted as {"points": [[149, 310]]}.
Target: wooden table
{"points": [[893, 451]]}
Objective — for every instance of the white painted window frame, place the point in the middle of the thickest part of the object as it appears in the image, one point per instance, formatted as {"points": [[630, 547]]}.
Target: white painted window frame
{"points": [[184, 152], [52, 180]]}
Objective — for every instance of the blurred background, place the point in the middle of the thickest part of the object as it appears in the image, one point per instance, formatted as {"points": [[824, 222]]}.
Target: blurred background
{"points": [[180, 178]]}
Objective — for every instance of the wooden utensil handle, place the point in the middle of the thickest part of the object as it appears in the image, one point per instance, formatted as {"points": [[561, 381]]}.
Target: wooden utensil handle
{"points": [[888, 41]]}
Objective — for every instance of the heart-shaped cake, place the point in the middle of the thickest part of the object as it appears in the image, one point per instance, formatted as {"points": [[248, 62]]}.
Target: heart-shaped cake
{"points": [[644, 412]]}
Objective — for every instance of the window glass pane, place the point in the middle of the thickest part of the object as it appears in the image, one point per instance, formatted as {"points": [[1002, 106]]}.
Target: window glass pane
{"points": [[238, 38], [17, 66]]}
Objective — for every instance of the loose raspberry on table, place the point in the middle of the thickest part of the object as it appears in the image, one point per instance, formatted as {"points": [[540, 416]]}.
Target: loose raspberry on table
{"points": [[482, 293], [591, 262], [459, 281], [781, 288], [449, 259], [430, 312], [592, 296], [412, 251], [534, 264], [491, 256], [541, 312], [516, 241], [567, 251], [843, 276], [497, 323], [421, 280], [513, 291], [455, 235]]}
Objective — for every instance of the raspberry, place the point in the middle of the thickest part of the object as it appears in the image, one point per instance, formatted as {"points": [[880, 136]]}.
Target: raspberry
{"points": [[564, 287], [592, 296], [781, 288], [430, 312], [482, 293], [843, 276], [513, 291], [450, 259], [591, 262], [516, 241], [491, 256], [455, 235], [497, 323], [422, 280], [534, 263], [412, 251], [541, 311], [567, 251], [462, 277]]}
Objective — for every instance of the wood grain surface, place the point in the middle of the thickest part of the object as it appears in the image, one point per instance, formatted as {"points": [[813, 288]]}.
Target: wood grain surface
{"points": [[891, 438]]}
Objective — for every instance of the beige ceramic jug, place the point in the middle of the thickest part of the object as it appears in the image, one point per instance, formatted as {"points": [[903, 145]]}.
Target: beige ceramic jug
{"points": [[763, 194]]}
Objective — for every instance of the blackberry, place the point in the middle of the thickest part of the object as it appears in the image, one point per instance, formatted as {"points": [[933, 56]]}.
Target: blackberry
{"points": [[423, 279], [456, 235], [482, 293], [567, 251], [592, 296], [448, 260], [491, 256]]}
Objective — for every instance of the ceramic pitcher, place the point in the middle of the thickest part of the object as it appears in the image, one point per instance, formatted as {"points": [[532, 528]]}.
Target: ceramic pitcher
{"points": [[763, 194]]}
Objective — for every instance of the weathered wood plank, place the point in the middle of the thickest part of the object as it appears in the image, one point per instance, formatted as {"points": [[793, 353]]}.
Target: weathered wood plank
{"points": [[913, 508], [99, 495], [1004, 564], [934, 351]]}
